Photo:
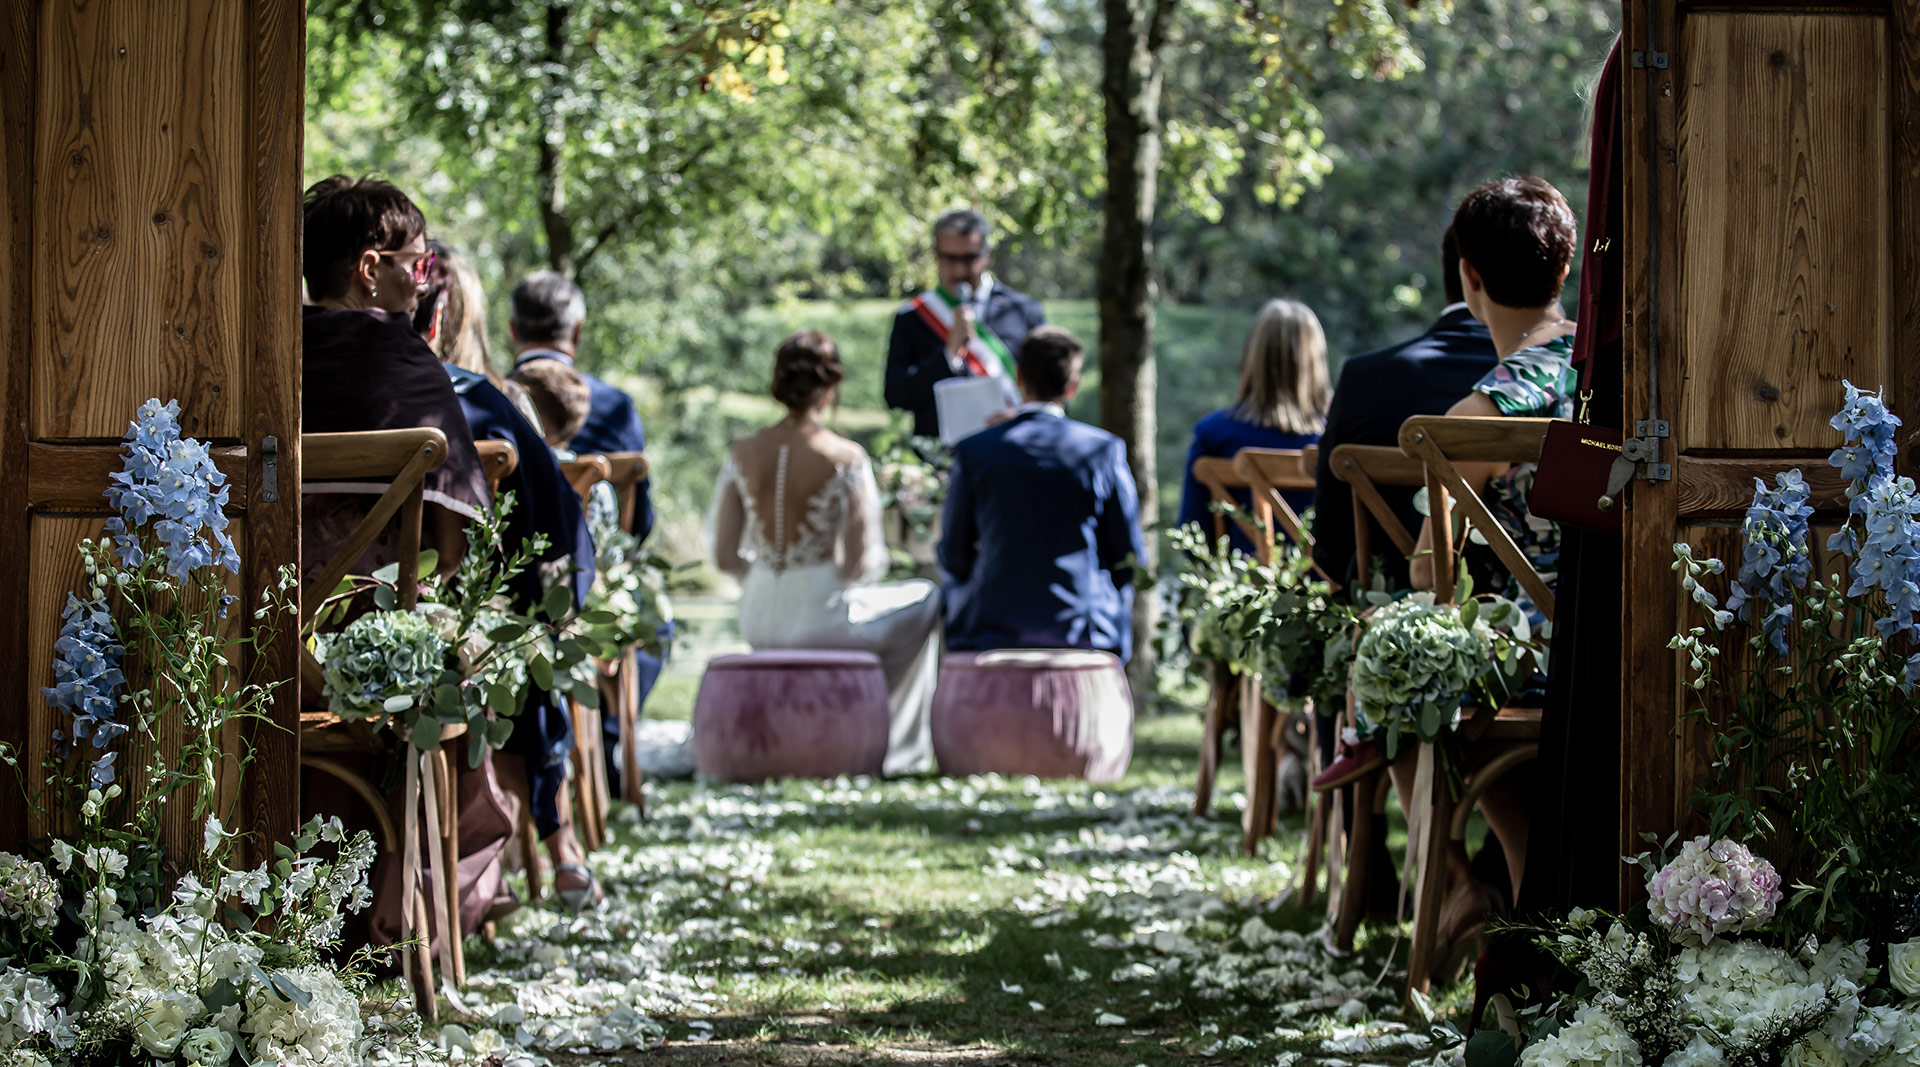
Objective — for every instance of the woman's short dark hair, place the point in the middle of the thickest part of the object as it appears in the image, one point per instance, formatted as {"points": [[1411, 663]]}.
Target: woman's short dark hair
{"points": [[805, 365], [343, 217], [1519, 234], [1048, 359]]}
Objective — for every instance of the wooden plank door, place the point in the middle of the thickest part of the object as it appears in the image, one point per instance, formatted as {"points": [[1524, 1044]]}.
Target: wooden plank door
{"points": [[149, 247], [1773, 249]]}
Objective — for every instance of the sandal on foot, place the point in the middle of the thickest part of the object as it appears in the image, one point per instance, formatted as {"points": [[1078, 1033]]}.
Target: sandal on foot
{"points": [[576, 900]]}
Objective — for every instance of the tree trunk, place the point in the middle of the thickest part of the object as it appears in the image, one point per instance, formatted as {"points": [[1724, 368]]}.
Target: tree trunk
{"points": [[554, 218], [1131, 84]]}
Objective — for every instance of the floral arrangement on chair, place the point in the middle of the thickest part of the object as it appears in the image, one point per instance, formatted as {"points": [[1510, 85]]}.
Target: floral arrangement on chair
{"points": [[628, 604], [1279, 621], [462, 654], [1417, 659], [113, 949]]}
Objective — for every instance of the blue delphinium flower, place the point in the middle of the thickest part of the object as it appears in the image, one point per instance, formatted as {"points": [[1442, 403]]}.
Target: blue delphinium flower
{"points": [[1774, 560], [170, 483], [1869, 427], [86, 672]]}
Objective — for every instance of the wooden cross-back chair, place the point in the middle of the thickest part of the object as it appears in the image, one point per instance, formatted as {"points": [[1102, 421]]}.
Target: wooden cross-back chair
{"points": [[1270, 472], [498, 459], [402, 458], [620, 677], [1349, 856], [1262, 477], [1490, 742], [591, 794]]}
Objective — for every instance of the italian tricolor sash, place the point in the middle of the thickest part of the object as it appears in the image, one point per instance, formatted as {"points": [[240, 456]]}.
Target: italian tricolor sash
{"points": [[986, 355]]}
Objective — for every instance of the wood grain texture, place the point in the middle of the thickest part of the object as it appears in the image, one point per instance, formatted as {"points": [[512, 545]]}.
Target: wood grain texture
{"points": [[275, 137], [1903, 217], [74, 477], [142, 151], [19, 29], [1783, 225], [1648, 596], [1721, 488]]}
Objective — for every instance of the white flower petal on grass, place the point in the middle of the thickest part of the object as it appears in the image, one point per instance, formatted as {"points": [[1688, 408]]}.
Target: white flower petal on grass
{"points": [[1107, 1018]]}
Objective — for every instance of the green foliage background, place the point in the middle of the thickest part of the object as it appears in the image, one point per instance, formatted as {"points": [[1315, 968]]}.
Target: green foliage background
{"points": [[809, 204]]}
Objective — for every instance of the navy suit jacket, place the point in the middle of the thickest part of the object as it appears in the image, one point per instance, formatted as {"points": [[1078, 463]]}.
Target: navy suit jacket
{"points": [[1377, 392], [612, 426], [1222, 435], [917, 358], [1041, 525]]}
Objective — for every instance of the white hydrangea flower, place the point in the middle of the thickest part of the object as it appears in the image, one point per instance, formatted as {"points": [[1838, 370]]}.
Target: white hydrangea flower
{"points": [[324, 1032], [1593, 1039]]}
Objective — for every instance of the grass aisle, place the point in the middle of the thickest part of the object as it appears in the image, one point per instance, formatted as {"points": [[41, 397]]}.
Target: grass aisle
{"points": [[945, 921]]}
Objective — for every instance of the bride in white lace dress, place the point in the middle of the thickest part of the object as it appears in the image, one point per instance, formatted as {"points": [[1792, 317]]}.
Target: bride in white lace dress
{"points": [[796, 517]]}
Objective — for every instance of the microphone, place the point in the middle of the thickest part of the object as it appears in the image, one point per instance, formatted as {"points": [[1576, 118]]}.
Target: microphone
{"points": [[963, 293]]}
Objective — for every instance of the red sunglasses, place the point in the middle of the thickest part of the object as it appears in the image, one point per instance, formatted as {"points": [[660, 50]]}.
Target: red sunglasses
{"points": [[422, 267]]}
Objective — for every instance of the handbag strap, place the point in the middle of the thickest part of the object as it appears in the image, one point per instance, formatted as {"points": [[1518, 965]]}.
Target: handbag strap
{"points": [[1581, 415]]}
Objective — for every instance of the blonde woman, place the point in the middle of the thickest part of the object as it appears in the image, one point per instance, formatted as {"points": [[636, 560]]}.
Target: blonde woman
{"points": [[1282, 403], [453, 317]]}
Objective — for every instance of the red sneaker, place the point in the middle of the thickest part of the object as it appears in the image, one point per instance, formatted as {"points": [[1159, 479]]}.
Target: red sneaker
{"points": [[1350, 763]]}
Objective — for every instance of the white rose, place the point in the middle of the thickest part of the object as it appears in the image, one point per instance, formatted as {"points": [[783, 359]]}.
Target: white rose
{"points": [[1815, 1050], [1903, 966], [162, 1022], [208, 1046]]}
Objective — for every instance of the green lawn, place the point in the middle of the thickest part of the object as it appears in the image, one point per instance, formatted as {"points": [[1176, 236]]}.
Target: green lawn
{"points": [[935, 920]]}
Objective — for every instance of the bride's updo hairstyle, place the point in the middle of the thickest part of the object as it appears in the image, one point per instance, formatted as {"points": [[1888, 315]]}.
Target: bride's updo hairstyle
{"points": [[806, 365]]}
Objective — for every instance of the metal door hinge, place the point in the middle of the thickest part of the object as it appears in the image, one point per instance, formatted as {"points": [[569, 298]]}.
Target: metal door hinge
{"points": [[269, 470], [1640, 60], [1644, 450]]}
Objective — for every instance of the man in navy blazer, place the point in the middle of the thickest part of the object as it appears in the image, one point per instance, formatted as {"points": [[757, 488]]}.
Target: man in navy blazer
{"points": [[917, 356], [548, 311], [1379, 391], [1042, 522]]}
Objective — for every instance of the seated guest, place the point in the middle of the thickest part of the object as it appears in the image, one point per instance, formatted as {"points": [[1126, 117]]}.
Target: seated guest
{"points": [[548, 313], [533, 763], [1041, 528], [796, 517], [365, 259], [1382, 389], [453, 319], [1282, 404], [1516, 239]]}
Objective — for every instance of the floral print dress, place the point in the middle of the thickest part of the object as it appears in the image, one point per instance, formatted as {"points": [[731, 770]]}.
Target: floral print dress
{"points": [[1537, 382]]}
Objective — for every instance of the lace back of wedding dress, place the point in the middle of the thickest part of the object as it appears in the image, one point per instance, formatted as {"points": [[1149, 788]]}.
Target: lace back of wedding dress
{"points": [[836, 523]]}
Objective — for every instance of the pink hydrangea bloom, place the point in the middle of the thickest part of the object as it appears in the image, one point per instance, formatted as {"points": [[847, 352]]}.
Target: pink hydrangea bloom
{"points": [[1713, 888]]}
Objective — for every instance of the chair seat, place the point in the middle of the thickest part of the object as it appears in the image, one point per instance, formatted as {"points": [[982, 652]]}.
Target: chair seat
{"points": [[791, 713], [1053, 713], [793, 659]]}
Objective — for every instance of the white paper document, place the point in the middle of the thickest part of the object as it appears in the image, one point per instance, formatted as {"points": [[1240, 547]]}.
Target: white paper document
{"points": [[964, 405]]}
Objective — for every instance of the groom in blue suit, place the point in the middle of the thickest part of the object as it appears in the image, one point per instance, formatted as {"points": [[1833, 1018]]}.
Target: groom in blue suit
{"points": [[1042, 522]]}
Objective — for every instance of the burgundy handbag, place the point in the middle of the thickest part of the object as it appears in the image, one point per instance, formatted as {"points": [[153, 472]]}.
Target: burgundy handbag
{"points": [[1576, 480]]}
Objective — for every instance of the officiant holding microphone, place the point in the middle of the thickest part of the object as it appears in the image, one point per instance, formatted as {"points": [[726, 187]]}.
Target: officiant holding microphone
{"points": [[970, 325]]}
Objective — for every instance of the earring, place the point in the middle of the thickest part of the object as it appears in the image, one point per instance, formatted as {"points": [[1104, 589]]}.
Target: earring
{"points": [[372, 291]]}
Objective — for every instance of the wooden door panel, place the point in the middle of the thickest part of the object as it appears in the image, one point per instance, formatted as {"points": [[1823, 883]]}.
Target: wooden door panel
{"points": [[143, 175], [1783, 223], [149, 247]]}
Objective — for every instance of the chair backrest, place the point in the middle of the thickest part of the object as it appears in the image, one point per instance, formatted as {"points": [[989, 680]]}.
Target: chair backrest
{"points": [[582, 472], [626, 470], [1366, 468], [401, 458], [1221, 477], [497, 459], [1440, 442], [1268, 471]]}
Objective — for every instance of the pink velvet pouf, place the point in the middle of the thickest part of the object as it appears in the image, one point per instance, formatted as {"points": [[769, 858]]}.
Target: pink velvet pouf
{"points": [[1054, 713], [790, 714]]}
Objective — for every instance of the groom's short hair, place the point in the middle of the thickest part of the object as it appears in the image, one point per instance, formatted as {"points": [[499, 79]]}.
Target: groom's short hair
{"points": [[1049, 360]]}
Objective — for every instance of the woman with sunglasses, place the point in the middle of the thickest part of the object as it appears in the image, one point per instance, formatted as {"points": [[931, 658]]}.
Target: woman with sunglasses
{"points": [[365, 368]]}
